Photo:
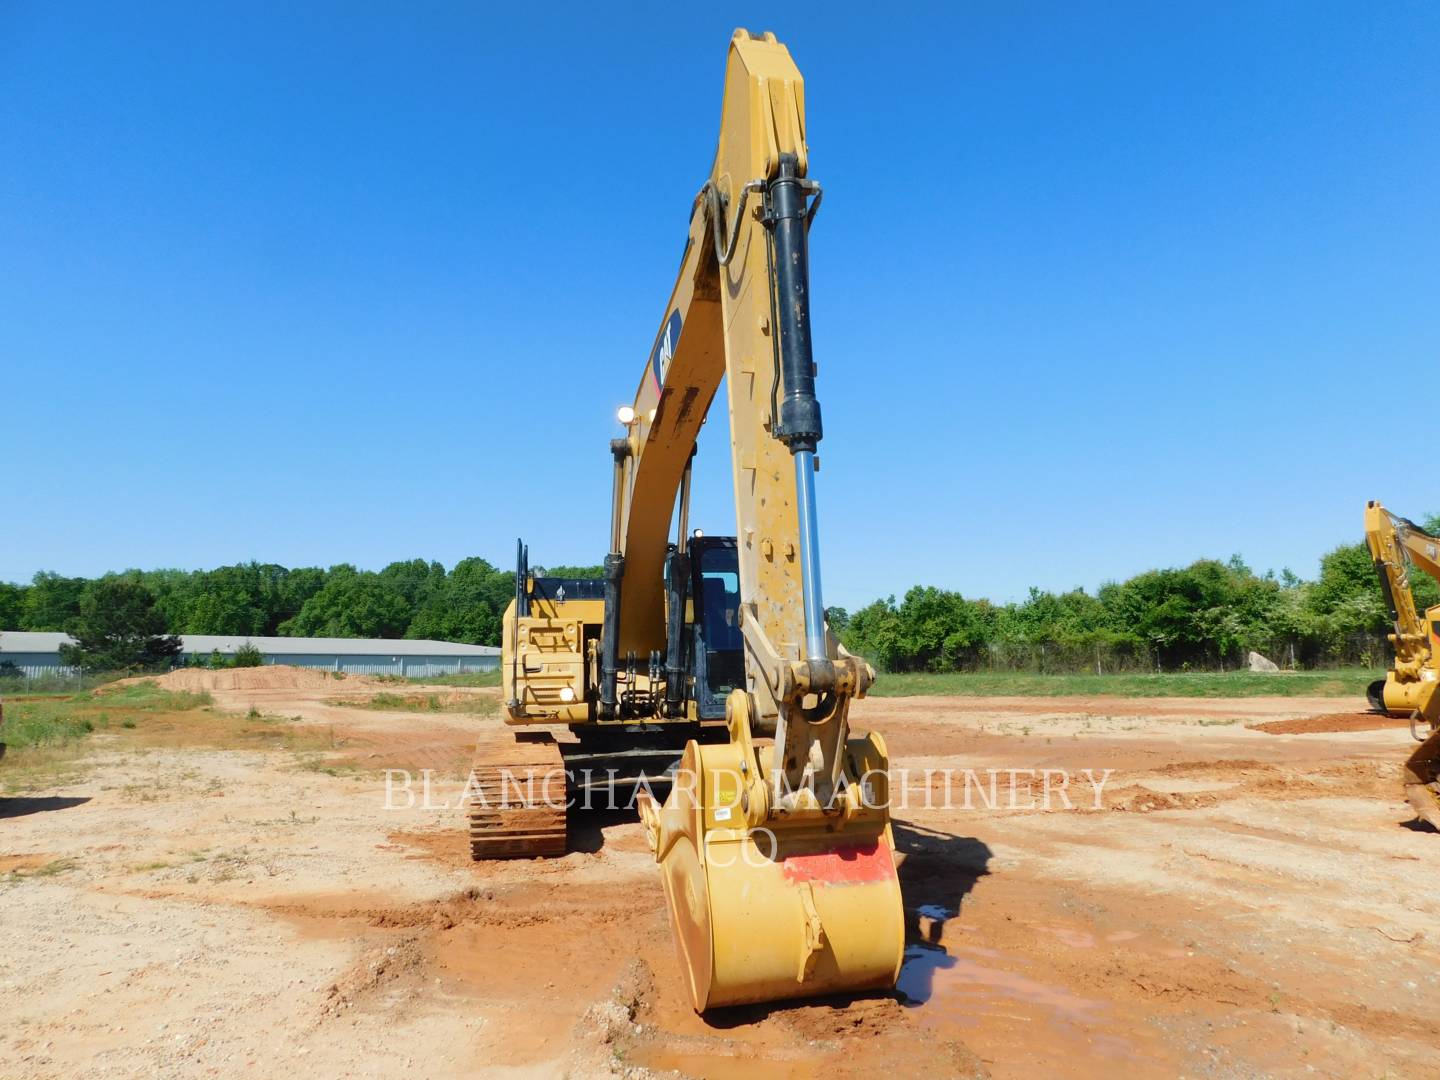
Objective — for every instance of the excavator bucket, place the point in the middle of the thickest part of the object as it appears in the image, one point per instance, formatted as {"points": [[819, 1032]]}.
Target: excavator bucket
{"points": [[799, 905], [1421, 776]]}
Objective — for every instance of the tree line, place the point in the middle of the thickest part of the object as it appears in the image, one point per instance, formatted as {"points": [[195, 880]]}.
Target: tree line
{"points": [[411, 599], [1205, 616]]}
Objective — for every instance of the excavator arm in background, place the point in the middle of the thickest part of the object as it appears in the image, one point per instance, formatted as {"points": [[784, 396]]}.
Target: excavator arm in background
{"points": [[1412, 686], [1396, 544]]}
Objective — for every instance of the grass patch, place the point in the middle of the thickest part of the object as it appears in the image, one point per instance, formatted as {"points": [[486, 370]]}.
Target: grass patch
{"points": [[50, 869], [256, 716], [45, 722], [46, 732], [1350, 682], [317, 763], [57, 719], [474, 678], [55, 866], [148, 696], [40, 768], [49, 737], [385, 701]]}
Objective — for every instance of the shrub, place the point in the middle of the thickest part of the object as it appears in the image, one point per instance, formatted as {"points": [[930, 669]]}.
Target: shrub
{"points": [[248, 655]]}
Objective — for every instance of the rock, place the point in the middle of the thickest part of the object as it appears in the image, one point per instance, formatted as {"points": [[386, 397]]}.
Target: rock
{"points": [[1259, 663]]}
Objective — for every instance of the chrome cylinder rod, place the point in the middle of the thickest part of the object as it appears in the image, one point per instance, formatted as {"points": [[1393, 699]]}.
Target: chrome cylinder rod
{"points": [[810, 555]]}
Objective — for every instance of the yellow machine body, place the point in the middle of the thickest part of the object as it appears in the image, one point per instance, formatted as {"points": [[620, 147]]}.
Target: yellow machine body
{"points": [[1402, 696], [545, 661]]}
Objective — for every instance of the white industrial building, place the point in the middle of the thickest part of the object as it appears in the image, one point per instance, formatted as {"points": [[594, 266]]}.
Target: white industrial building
{"points": [[38, 654]]}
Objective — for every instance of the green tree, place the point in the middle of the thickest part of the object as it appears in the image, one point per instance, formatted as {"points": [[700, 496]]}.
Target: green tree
{"points": [[352, 603], [12, 606], [418, 581], [1348, 575], [874, 633], [52, 602], [470, 609], [1199, 614], [292, 589], [220, 612], [119, 628], [173, 591], [931, 630], [938, 628], [248, 655], [568, 571]]}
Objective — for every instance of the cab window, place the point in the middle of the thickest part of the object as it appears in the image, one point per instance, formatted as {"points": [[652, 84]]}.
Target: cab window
{"points": [[720, 621]]}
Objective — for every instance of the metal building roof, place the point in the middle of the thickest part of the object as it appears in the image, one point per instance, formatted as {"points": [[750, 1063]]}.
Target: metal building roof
{"points": [[29, 641]]}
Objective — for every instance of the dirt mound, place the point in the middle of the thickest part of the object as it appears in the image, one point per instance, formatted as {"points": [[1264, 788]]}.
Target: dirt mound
{"points": [[1332, 722], [1224, 769], [271, 677], [1135, 798], [1258, 779], [370, 972]]}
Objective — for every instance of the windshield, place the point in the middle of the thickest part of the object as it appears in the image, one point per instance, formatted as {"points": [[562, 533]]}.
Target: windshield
{"points": [[719, 619]]}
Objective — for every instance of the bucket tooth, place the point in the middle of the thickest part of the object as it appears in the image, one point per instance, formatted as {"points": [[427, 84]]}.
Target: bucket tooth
{"points": [[814, 931]]}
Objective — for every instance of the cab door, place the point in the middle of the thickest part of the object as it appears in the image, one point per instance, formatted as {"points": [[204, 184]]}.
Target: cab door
{"points": [[719, 650]]}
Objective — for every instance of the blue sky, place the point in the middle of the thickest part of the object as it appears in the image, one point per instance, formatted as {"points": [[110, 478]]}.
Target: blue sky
{"points": [[1096, 288]]}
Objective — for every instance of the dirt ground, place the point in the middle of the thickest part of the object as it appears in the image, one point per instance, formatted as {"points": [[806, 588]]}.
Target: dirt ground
{"points": [[1242, 902]]}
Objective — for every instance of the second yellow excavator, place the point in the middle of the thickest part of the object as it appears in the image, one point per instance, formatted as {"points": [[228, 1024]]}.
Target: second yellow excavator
{"points": [[703, 664], [1412, 687]]}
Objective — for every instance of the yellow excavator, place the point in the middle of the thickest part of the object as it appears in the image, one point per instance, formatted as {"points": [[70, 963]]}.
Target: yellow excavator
{"points": [[1410, 687], [703, 665]]}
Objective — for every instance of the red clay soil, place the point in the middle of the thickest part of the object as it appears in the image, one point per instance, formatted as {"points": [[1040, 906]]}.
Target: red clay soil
{"points": [[1332, 722], [1225, 904]]}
